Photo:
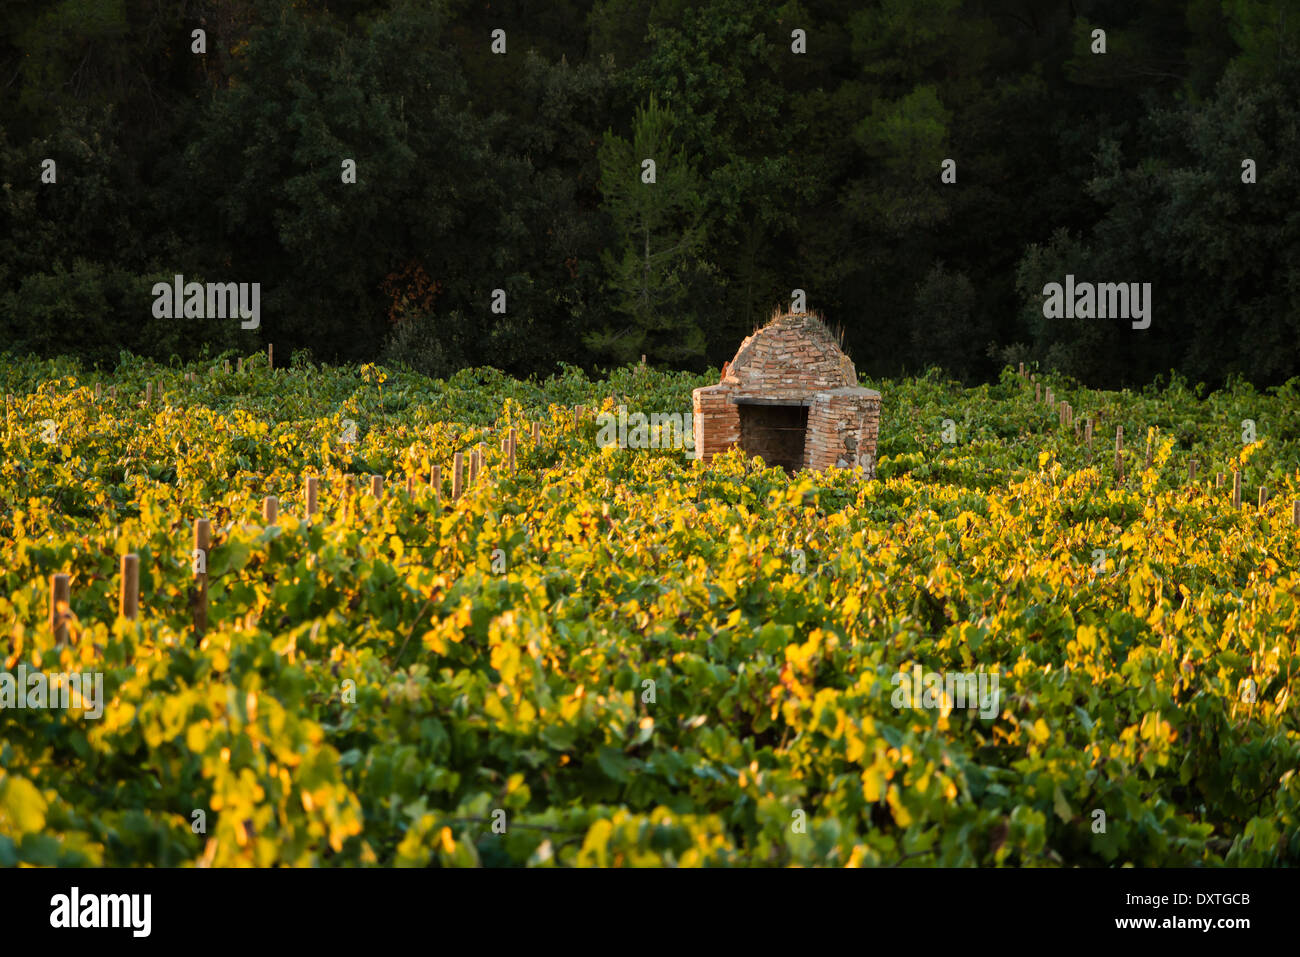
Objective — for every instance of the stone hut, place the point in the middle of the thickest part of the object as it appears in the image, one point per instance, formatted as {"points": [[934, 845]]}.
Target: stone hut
{"points": [[792, 396]]}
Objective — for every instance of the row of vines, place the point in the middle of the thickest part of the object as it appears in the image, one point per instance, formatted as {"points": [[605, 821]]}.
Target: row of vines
{"points": [[620, 657]]}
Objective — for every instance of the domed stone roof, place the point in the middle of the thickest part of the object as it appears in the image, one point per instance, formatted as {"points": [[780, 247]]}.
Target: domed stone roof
{"points": [[792, 355]]}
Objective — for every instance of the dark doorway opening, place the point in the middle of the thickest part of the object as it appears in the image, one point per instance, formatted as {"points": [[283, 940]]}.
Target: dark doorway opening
{"points": [[776, 432]]}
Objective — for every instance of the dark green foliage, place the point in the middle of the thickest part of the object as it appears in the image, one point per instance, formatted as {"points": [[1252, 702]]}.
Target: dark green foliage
{"points": [[821, 172], [1223, 256], [416, 344], [658, 226]]}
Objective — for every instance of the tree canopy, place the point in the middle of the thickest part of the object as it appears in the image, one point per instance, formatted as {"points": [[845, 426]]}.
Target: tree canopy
{"points": [[499, 215]]}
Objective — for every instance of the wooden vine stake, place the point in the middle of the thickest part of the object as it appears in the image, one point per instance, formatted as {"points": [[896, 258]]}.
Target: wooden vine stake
{"points": [[1236, 488], [60, 602], [311, 496], [435, 482], [410, 485], [129, 597], [1263, 497], [148, 393], [514, 438], [270, 507], [1119, 449], [1295, 513], [270, 356], [1218, 480], [202, 542], [537, 434], [457, 474], [99, 392], [377, 486], [1037, 396], [1191, 471]]}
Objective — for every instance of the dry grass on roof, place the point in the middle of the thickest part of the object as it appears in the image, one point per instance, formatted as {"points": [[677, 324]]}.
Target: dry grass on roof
{"points": [[834, 333]]}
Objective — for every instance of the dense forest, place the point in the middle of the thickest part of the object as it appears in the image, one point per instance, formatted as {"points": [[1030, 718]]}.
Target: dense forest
{"points": [[500, 213]]}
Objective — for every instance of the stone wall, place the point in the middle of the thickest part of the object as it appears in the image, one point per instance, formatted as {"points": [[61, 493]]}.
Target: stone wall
{"points": [[843, 426], [716, 420]]}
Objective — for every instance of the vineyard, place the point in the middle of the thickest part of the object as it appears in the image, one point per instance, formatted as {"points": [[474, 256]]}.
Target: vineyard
{"points": [[621, 657]]}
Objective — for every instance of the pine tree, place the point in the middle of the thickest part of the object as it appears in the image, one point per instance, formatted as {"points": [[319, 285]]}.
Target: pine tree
{"points": [[658, 225]]}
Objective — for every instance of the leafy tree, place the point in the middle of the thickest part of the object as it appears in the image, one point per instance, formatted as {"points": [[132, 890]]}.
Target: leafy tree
{"points": [[717, 65], [429, 189], [554, 196], [655, 262], [1267, 33], [942, 328], [1220, 254]]}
